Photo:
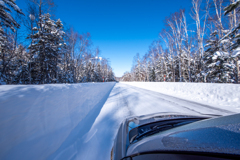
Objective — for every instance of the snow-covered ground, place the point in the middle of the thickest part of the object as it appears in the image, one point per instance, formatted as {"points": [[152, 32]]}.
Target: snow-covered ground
{"points": [[36, 121], [79, 121], [219, 95], [124, 101]]}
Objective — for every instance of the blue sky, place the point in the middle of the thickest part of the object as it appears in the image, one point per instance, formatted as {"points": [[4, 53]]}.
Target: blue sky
{"points": [[121, 28]]}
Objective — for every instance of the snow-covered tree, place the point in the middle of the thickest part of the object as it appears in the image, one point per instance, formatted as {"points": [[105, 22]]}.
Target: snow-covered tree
{"points": [[98, 72], [234, 35], [218, 63], [46, 49], [159, 69], [89, 72], [6, 18], [231, 7], [52, 56], [6, 50], [138, 71], [111, 76], [152, 74], [127, 76], [7, 57]]}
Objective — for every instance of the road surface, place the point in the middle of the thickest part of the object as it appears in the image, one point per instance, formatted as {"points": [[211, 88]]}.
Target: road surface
{"points": [[124, 101]]}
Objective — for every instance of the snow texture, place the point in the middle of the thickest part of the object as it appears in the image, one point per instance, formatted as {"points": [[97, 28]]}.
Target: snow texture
{"points": [[219, 95], [124, 101], [36, 120], [80, 121], [236, 52]]}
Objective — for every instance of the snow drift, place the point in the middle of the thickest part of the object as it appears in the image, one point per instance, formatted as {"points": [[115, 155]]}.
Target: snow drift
{"points": [[36, 121], [218, 95]]}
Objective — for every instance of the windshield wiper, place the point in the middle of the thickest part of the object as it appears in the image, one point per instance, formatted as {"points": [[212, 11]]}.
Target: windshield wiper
{"points": [[144, 132], [155, 129]]}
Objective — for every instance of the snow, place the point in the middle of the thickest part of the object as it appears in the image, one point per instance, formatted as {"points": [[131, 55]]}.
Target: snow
{"points": [[225, 41], [2, 4], [225, 31], [218, 54], [219, 95], [36, 120], [80, 121], [124, 101], [236, 52]]}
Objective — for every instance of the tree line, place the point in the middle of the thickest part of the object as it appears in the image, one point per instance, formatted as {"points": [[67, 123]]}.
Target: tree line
{"points": [[203, 46], [36, 48]]}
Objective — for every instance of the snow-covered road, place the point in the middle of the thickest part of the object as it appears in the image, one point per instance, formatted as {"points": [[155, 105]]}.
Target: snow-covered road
{"points": [[78, 121], [124, 101]]}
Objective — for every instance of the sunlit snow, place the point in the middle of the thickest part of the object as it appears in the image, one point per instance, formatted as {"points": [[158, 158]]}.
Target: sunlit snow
{"points": [[80, 121]]}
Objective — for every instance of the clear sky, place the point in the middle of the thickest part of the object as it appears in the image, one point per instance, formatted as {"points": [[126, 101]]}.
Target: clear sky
{"points": [[121, 28]]}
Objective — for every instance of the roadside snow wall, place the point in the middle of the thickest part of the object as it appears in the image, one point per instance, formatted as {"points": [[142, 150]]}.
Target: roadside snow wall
{"points": [[219, 95], [35, 120]]}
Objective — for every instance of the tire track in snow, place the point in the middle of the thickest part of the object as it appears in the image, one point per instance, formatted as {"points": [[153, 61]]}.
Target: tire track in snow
{"points": [[172, 102], [178, 101], [125, 102]]}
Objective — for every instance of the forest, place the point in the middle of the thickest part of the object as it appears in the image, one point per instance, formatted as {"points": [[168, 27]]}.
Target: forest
{"points": [[202, 45], [36, 47]]}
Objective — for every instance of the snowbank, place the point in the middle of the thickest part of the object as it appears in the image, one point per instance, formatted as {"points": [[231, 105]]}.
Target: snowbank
{"points": [[36, 121], [219, 95]]}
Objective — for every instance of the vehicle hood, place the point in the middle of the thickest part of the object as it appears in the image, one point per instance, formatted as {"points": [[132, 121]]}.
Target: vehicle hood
{"points": [[215, 135], [136, 121]]}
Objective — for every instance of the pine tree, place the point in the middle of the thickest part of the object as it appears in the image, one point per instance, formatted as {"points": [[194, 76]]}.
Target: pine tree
{"points": [[46, 46], [19, 66], [98, 73], [218, 63], [88, 72], [6, 19], [234, 36], [152, 75], [138, 71], [7, 57], [3, 56]]}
